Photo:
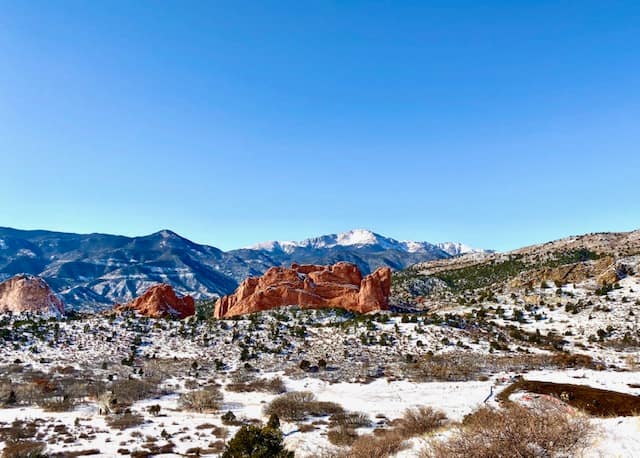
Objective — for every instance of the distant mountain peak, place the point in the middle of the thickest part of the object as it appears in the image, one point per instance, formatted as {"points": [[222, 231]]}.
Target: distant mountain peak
{"points": [[358, 237], [458, 249], [167, 234], [363, 238], [354, 237]]}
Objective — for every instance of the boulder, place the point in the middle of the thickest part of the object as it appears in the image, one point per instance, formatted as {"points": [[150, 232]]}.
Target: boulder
{"points": [[160, 301], [28, 293], [309, 286]]}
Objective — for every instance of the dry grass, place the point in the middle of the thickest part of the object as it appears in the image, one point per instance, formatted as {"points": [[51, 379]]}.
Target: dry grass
{"points": [[125, 420], [128, 391], [205, 400], [19, 430], [24, 449], [274, 385], [465, 366], [349, 420], [297, 405], [388, 442], [57, 404], [382, 446], [342, 435], [515, 430]]}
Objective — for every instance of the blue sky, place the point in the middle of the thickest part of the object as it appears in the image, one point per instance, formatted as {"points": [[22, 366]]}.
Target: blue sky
{"points": [[496, 123]]}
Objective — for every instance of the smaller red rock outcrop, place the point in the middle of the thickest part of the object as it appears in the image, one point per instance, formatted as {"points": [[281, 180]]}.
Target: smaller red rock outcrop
{"points": [[28, 293], [310, 286], [160, 301]]}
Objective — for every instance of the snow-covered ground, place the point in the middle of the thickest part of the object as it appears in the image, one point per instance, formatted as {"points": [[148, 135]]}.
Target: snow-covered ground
{"points": [[377, 365]]}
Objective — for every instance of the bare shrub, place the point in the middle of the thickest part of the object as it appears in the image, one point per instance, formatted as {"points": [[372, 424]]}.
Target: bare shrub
{"points": [[342, 435], [381, 446], [28, 393], [128, 391], [207, 399], [58, 404], [464, 366], [385, 443], [24, 449], [296, 405], [543, 430], [274, 385], [19, 430], [125, 420], [350, 420], [418, 421], [7, 394]]}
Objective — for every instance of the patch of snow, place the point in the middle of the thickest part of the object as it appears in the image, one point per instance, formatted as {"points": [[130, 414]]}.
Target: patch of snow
{"points": [[457, 248], [26, 252]]}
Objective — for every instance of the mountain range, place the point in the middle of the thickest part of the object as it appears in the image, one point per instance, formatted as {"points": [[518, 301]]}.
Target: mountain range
{"points": [[94, 271]]}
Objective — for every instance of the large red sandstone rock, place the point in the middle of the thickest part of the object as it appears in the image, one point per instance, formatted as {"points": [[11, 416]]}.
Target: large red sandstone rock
{"points": [[27, 293], [310, 286], [160, 301]]}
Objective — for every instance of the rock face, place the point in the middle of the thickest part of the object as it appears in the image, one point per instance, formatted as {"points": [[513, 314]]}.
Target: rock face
{"points": [[605, 270], [27, 293], [160, 301], [310, 286]]}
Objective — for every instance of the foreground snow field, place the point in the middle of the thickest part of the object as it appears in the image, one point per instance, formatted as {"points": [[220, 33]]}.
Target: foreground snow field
{"points": [[56, 375]]}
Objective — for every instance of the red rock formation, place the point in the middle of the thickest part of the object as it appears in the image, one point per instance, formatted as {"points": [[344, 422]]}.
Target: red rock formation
{"points": [[27, 293], [160, 301], [310, 286]]}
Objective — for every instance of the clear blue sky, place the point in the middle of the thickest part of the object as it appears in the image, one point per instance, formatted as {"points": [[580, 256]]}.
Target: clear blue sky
{"points": [[495, 123]]}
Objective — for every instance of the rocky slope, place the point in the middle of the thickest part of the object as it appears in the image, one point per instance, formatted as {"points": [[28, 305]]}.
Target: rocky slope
{"points": [[603, 258], [160, 301], [309, 286], [26, 293], [96, 270]]}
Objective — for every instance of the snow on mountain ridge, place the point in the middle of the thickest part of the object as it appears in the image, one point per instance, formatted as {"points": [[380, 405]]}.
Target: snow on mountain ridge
{"points": [[457, 248], [363, 237]]}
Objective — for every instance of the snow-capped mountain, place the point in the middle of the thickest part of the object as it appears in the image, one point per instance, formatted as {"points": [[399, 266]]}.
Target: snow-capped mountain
{"points": [[458, 249], [364, 238], [97, 270], [361, 246], [353, 238]]}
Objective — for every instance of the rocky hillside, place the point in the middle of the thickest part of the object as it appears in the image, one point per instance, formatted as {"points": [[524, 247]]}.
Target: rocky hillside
{"points": [[603, 258], [97, 270]]}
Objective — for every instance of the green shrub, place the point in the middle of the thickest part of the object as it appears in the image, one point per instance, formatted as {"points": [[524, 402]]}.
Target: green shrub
{"points": [[256, 442], [296, 405]]}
